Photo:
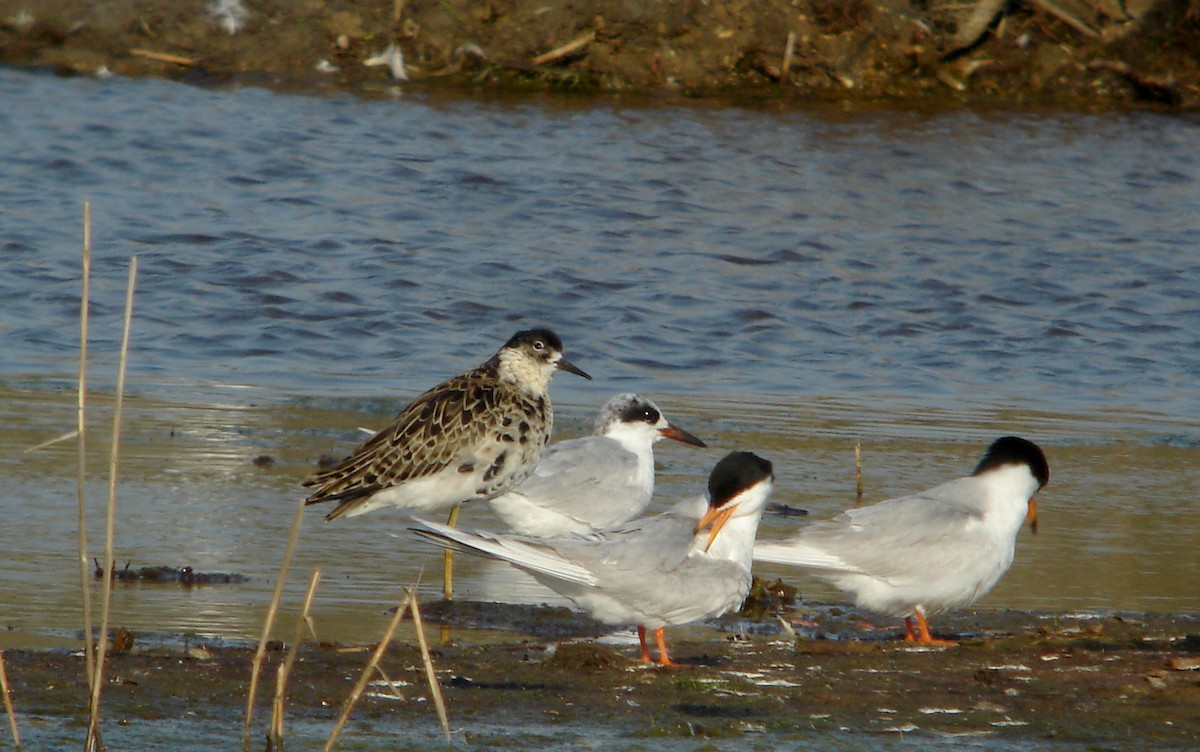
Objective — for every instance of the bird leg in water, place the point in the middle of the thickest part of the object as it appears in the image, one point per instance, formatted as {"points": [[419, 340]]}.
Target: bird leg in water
{"points": [[448, 558]]}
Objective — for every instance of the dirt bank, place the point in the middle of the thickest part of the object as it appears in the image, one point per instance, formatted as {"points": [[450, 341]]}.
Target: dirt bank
{"points": [[1075, 53], [1128, 682]]}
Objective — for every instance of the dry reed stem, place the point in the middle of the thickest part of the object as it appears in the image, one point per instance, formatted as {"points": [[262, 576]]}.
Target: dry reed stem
{"points": [[368, 670], [435, 689], [566, 50], [275, 735], [787, 628], [789, 51], [391, 684], [858, 474], [285, 668], [110, 516], [448, 558], [51, 442], [163, 57], [84, 572], [8, 706], [256, 667]]}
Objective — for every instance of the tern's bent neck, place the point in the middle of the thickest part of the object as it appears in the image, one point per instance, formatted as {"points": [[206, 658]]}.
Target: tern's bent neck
{"points": [[1010, 488]]}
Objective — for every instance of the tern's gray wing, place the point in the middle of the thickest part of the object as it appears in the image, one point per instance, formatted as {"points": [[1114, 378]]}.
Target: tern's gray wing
{"points": [[697, 586], [649, 571], [930, 531], [633, 553], [653, 544], [533, 555], [591, 479], [654, 567]]}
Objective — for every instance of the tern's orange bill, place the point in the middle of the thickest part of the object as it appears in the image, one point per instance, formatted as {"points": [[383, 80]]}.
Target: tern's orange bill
{"points": [[677, 433], [1031, 516], [717, 518]]}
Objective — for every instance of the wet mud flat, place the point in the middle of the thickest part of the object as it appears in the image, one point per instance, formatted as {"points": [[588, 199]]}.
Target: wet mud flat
{"points": [[1014, 680], [1034, 52]]}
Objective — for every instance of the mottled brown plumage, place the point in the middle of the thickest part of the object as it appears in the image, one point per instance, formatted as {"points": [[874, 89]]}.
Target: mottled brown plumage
{"points": [[474, 436]]}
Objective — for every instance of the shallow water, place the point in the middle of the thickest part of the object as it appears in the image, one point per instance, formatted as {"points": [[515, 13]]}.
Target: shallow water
{"points": [[791, 283]]}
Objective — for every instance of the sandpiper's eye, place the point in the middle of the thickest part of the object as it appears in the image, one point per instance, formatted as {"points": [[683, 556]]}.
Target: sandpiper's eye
{"points": [[539, 345]]}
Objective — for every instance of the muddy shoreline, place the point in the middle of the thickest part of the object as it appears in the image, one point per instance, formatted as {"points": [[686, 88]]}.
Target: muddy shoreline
{"points": [[1080, 681], [1082, 54]]}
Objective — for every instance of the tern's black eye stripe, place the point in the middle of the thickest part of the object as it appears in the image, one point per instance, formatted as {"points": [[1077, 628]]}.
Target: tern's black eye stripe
{"points": [[640, 412]]}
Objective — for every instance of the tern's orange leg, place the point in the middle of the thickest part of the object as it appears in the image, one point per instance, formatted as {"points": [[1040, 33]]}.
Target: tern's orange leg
{"points": [[645, 647], [923, 635], [664, 658]]}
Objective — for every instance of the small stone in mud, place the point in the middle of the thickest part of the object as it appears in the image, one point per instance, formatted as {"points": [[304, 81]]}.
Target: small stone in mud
{"points": [[325, 461], [1156, 680], [264, 460], [123, 640], [1184, 664], [199, 653], [586, 656]]}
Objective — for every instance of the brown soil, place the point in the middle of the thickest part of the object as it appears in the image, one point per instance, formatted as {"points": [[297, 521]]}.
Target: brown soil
{"points": [[1075, 53], [1127, 682]]}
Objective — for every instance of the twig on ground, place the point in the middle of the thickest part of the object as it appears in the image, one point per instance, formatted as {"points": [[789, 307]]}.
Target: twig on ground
{"points": [[789, 51], [163, 57], [566, 50], [1070, 19]]}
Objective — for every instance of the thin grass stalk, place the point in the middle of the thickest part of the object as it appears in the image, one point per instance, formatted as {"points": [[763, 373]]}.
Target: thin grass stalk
{"points": [[84, 569], [275, 734], [435, 689], [269, 622], [51, 442], [391, 684], [448, 558], [858, 474], [111, 512], [368, 670], [303, 623], [8, 706]]}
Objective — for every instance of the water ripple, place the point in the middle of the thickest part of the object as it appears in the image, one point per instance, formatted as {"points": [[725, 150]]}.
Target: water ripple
{"points": [[288, 241]]}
